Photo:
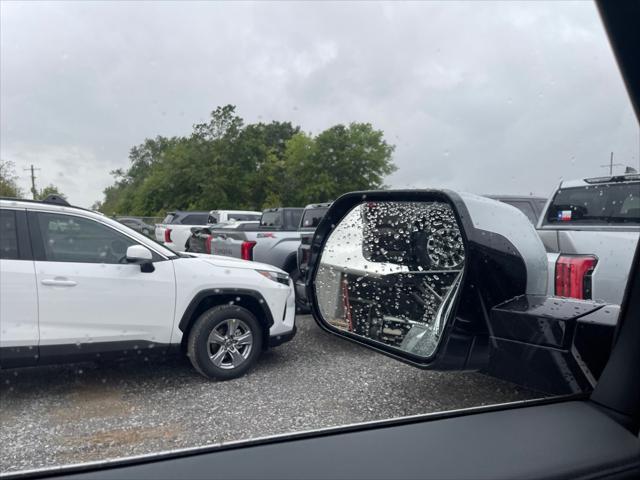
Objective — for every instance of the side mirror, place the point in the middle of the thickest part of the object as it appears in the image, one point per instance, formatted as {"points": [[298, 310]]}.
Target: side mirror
{"points": [[415, 274], [142, 256]]}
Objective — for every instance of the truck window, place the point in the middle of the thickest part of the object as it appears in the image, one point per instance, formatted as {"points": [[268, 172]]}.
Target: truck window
{"points": [[596, 205], [241, 217], [292, 218], [312, 216], [271, 219], [195, 219], [169, 218]]}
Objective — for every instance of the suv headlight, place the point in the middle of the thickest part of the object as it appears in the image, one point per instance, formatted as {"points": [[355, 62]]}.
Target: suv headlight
{"points": [[282, 278]]}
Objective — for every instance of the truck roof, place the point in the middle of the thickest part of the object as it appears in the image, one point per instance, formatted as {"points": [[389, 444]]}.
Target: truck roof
{"points": [[582, 182], [515, 197], [318, 205], [234, 211], [277, 209]]}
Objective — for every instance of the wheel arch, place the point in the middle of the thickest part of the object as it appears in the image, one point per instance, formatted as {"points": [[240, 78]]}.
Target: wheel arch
{"points": [[209, 298]]}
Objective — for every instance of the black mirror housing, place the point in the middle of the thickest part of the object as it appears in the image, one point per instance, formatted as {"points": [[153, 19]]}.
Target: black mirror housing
{"points": [[501, 258]]}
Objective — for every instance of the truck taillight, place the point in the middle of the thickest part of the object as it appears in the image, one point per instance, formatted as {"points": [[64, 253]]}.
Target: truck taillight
{"points": [[246, 250], [573, 276], [207, 244], [167, 235]]}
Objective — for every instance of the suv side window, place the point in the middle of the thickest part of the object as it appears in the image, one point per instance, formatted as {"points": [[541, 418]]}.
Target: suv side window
{"points": [[67, 238], [8, 235]]}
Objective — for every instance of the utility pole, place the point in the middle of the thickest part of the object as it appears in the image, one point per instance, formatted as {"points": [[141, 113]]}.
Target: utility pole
{"points": [[611, 165], [34, 192]]}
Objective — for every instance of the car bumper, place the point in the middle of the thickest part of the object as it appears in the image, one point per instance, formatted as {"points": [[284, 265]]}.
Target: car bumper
{"points": [[284, 322], [276, 340]]}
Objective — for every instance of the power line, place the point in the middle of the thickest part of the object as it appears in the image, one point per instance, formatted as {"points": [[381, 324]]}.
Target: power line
{"points": [[34, 192]]}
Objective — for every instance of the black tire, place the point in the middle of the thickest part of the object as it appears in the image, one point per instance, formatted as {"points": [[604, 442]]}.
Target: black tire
{"points": [[201, 352]]}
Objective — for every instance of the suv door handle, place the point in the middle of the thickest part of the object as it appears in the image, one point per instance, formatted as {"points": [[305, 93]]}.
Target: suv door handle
{"points": [[59, 282]]}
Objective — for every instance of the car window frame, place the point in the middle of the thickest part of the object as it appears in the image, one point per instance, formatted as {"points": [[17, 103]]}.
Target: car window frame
{"points": [[37, 240]]}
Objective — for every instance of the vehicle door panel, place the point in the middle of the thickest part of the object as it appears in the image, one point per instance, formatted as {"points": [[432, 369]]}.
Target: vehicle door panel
{"points": [[86, 296], [18, 295]]}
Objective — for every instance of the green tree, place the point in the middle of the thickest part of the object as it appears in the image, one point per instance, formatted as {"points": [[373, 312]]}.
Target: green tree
{"points": [[227, 164], [339, 160], [49, 190], [9, 180]]}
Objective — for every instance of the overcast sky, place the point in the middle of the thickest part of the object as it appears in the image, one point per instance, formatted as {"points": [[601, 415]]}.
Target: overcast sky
{"points": [[499, 97]]}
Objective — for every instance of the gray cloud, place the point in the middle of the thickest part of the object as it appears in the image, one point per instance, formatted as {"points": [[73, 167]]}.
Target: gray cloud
{"points": [[488, 97]]}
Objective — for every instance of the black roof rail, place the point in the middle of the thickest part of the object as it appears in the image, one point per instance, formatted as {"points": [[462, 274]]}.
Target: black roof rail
{"points": [[50, 200], [56, 200]]}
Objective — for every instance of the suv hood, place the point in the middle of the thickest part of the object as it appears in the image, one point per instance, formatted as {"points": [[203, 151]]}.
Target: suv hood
{"points": [[230, 262]]}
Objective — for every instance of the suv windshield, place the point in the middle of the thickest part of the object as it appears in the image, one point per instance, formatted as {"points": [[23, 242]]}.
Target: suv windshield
{"points": [[598, 204]]}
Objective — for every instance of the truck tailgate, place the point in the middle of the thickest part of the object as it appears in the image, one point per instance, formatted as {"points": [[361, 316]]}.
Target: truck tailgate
{"points": [[228, 244], [614, 250]]}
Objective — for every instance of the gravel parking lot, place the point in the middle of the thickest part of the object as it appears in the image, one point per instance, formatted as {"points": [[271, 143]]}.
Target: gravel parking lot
{"points": [[77, 413]]}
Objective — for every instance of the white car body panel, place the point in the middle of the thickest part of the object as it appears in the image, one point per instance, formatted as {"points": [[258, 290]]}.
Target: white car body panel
{"points": [[107, 303], [45, 303], [18, 308]]}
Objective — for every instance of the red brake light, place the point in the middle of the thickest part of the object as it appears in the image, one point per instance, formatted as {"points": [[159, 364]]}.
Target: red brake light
{"points": [[207, 244], [167, 235], [573, 276], [246, 250]]}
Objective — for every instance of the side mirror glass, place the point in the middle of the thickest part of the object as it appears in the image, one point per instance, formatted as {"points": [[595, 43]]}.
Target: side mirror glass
{"points": [[390, 272]]}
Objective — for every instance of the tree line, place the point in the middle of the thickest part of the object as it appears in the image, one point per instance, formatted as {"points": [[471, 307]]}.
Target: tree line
{"points": [[225, 163]]}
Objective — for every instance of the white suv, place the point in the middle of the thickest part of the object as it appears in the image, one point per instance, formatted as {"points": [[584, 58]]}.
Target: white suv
{"points": [[76, 285]]}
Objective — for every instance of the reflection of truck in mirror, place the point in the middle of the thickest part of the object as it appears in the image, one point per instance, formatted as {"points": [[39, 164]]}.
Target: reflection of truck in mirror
{"points": [[590, 228]]}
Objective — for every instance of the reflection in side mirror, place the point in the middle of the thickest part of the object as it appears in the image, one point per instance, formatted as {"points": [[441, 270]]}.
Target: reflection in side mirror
{"points": [[391, 271]]}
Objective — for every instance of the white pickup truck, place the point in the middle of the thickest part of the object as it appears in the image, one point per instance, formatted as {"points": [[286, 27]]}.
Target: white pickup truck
{"points": [[590, 228], [175, 229]]}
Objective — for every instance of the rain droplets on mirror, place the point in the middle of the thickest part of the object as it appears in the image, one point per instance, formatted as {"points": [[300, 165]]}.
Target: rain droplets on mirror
{"points": [[390, 271]]}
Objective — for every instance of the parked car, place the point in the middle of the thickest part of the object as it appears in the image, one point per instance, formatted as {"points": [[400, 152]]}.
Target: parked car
{"points": [[200, 239], [590, 228], [77, 285], [137, 224], [175, 230], [531, 206]]}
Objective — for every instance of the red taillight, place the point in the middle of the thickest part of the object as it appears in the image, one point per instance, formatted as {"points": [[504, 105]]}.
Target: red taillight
{"points": [[207, 244], [246, 250], [167, 235], [573, 276]]}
